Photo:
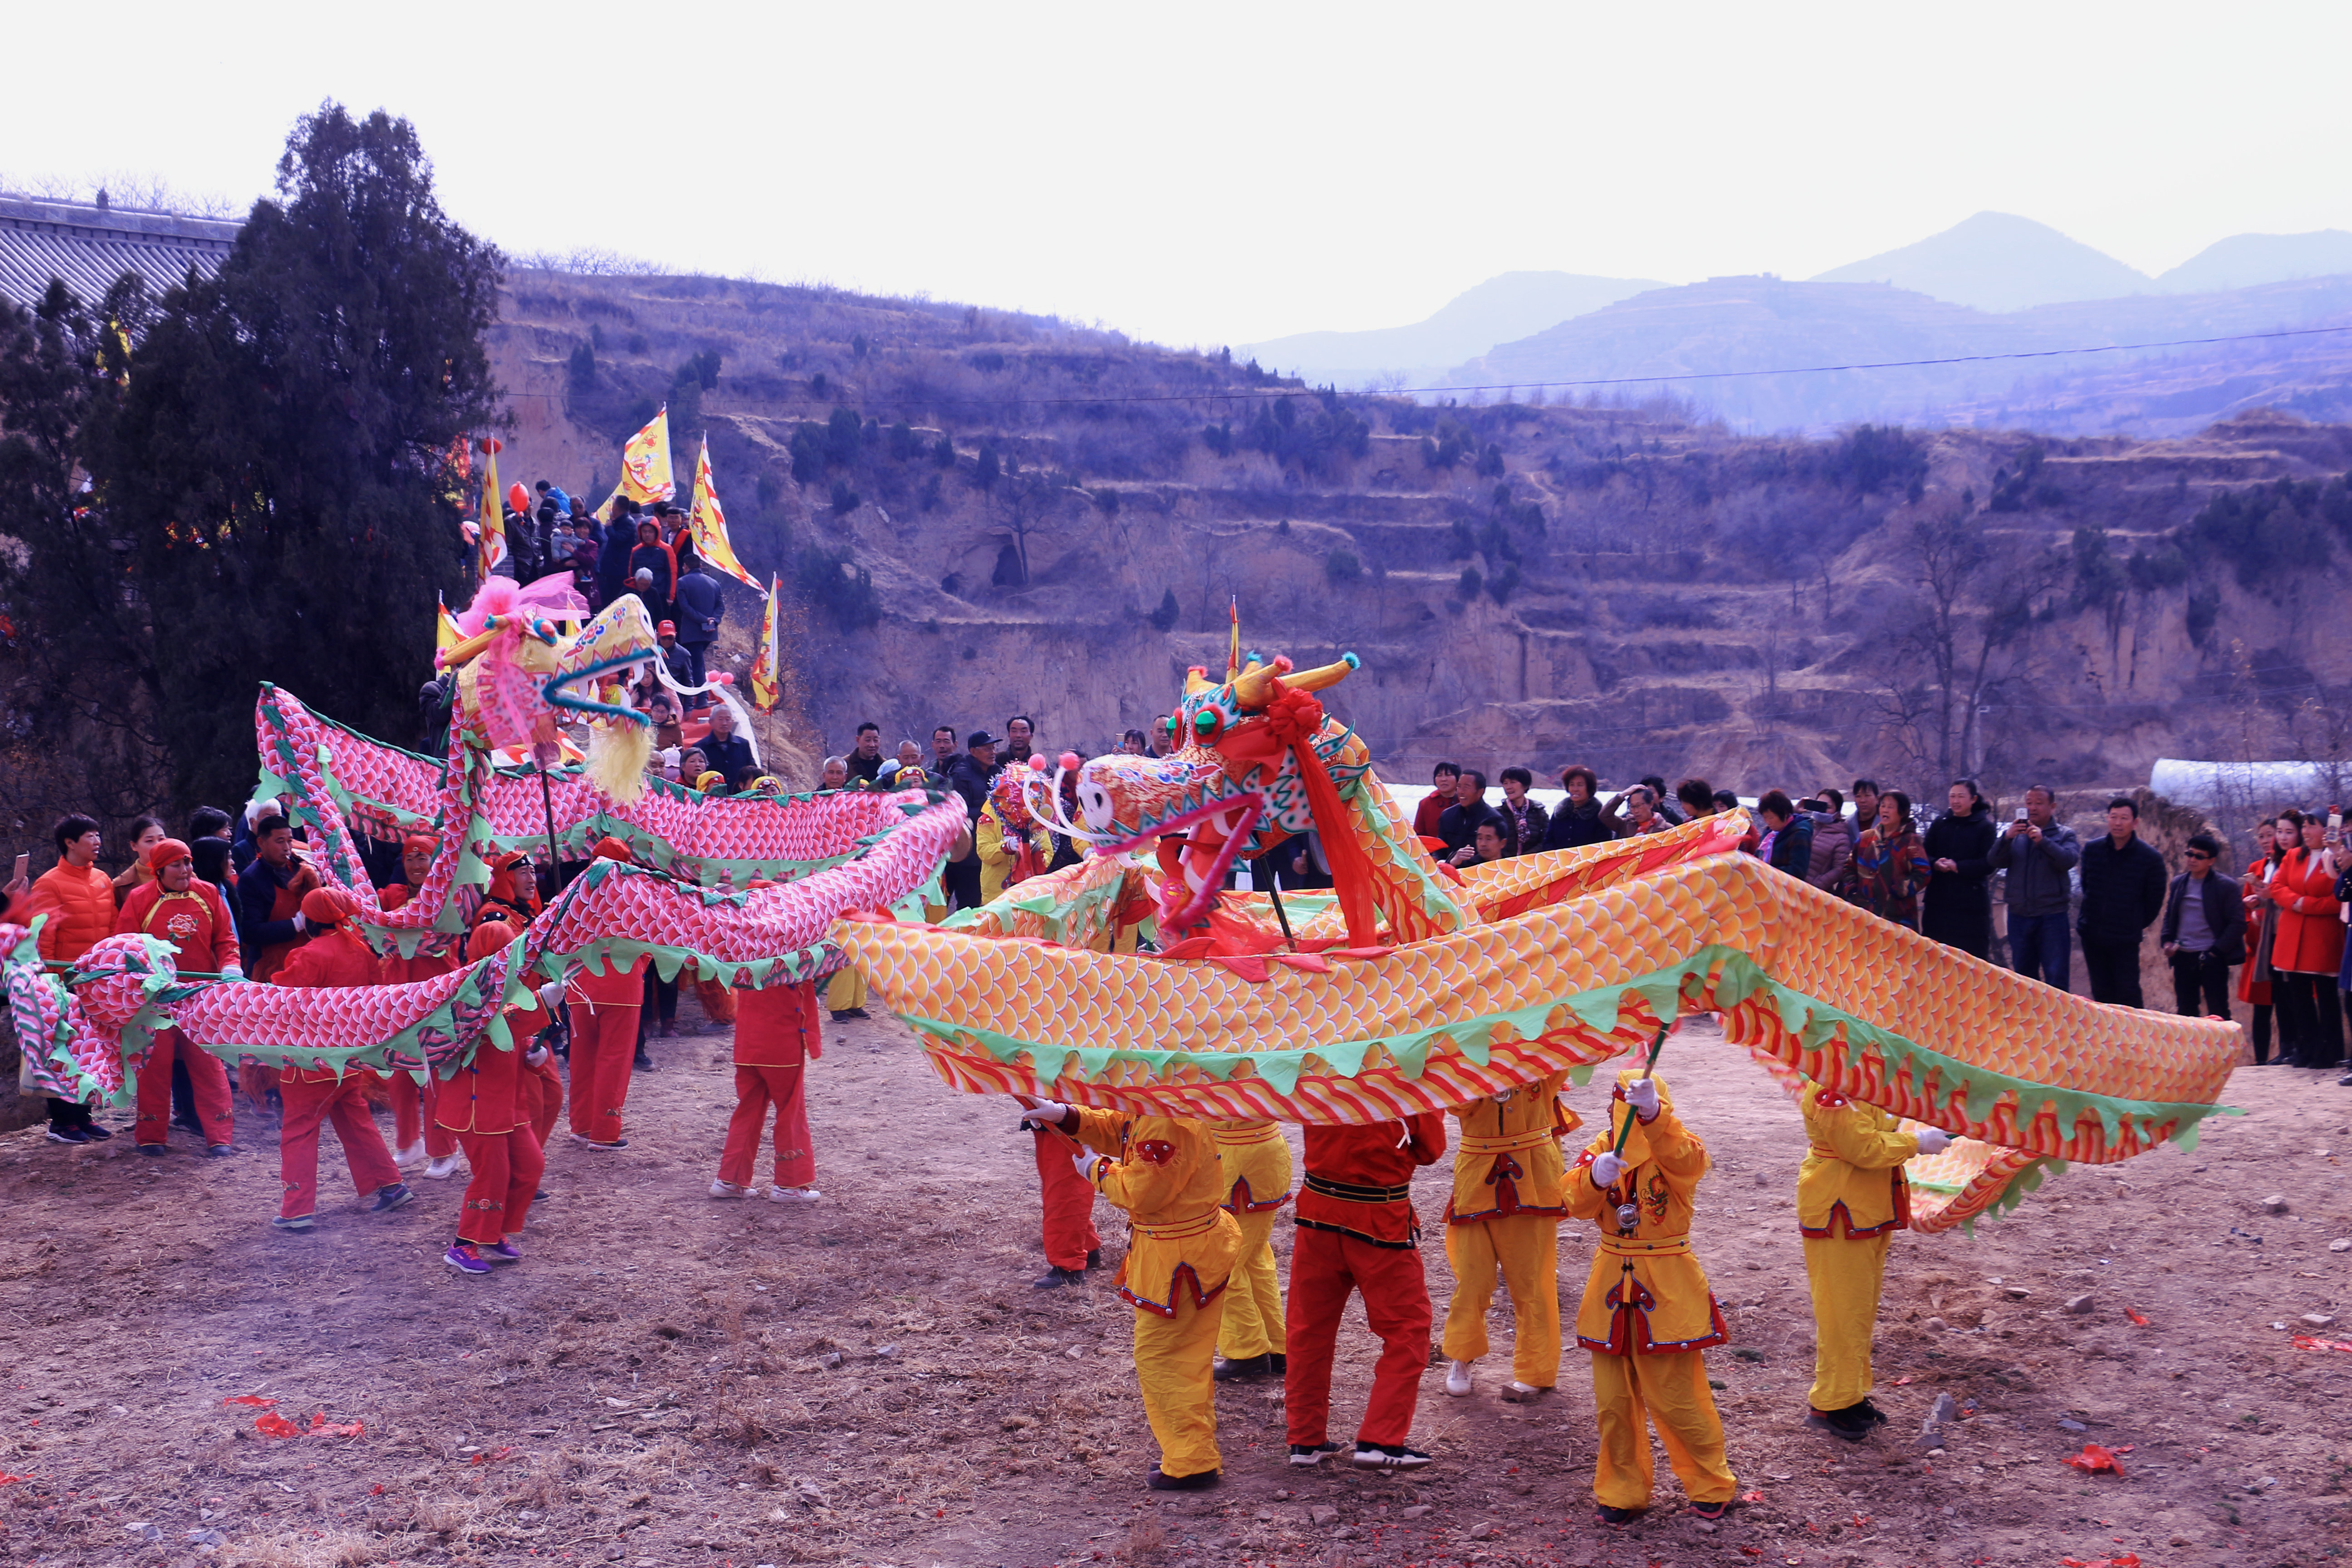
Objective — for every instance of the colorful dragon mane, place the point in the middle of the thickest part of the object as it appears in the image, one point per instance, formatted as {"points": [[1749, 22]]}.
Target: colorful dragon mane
{"points": [[1413, 987]]}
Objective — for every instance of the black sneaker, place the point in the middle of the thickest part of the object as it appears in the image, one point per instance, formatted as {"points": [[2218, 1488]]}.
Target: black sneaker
{"points": [[640, 1063], [66, 1134], [1388, 1457], [1312, 1453], [219, 1151], [153, 1151], [1093, 1258], [1848, 1425], [93, 1133], [387, 1199], [1199, 1481], [843, 1015], [1244, 1369], [1712, 1510], [1054, 1278], [1278, 1363], [1870, 1413], [298, 1222], [1616, 1516]]}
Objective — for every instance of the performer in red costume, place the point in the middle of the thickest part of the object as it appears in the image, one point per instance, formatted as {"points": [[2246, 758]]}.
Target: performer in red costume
{"points": [[334, 957], [187, 911], [482, 1106], [776, 1034], [603, 1037], [1357, 1231], [418, 1136]]}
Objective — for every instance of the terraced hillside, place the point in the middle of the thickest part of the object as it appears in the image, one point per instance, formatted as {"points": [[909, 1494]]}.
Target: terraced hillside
{"points": [[983, 513]]}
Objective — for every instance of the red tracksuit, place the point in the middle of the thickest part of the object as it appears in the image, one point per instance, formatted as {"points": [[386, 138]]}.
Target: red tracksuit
{"points": [[330, 960], [775, 1033], [482, 1105], [412, 1102], [197, 925], [1356, 1231], [1069, 1204], [603, 1043]]}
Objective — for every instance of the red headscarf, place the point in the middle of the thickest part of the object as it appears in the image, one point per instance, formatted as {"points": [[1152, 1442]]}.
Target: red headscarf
{"points": [[167, 851]]}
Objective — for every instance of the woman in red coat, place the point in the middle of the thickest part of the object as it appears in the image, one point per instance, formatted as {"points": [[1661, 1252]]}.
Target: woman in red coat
{"points": [[2262, 923], [2307, 947]]}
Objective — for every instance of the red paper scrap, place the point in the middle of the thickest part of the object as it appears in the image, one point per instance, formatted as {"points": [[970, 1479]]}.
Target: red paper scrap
{"points": [[275, 1425], [2134, 1314], [2305, 1342], [253, 1399], [2094, 1459]]}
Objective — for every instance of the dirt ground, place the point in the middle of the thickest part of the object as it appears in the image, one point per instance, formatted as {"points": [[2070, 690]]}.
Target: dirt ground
{"points": [[673, 1380]]}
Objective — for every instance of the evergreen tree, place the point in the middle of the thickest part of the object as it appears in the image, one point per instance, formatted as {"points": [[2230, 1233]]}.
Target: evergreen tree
{"points": [[279, 473]]}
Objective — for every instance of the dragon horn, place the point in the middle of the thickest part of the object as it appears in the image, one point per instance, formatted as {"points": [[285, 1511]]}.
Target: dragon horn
{"points": [[1254, 687], [1196, 681], [1325, 675]]}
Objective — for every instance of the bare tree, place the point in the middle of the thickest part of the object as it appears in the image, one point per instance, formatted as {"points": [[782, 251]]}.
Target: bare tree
{"points": [[1953, 640]]}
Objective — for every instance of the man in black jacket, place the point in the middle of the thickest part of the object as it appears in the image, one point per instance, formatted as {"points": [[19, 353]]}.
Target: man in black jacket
{"points": [[971, 775], [725, 750], [700, 610], [2204, 932], [1458, 823], [2123, 894]]}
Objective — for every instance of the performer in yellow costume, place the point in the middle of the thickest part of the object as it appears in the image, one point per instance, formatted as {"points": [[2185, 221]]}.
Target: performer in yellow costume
{"points": [[1647, 1311], [1508, 1202], [1851, 1199], [1254, 1159], [1164, 1173]]}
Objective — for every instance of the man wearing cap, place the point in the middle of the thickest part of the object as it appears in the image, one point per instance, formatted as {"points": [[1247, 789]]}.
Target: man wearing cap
{"points": [[182, 908], [333, 958], [604, 1008], [482, 1105], [675, 659]]}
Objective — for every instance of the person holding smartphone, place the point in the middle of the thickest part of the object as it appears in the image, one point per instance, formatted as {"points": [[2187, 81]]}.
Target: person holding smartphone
{"points": [[2038, 850], [2307, 945]]}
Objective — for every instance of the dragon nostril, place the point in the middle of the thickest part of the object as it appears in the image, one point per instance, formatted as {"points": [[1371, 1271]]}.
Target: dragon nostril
{"points": [[1095, 801]]}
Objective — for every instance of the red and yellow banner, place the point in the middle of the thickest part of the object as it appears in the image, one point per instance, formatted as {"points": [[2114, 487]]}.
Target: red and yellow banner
{"points": [[490, 544], [708, 520], [767, 690]]}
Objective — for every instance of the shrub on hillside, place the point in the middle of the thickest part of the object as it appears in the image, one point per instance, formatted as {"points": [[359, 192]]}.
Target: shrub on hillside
{"points": [[2268, 534], [583, 369], [1872, 458], [831, 582], [1342, 566], [1164, 617]]}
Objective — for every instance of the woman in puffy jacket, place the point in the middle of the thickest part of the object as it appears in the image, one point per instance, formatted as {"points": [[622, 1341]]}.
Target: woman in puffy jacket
{"points": [[2307, 946], [1958, 910], [2272, 838]]}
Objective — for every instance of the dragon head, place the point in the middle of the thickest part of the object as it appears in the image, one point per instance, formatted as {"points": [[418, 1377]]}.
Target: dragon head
{"points": [[1230, 787]]}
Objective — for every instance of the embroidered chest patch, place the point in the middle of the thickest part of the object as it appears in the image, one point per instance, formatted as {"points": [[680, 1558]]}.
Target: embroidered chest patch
{"points": [[1155, 1150]]}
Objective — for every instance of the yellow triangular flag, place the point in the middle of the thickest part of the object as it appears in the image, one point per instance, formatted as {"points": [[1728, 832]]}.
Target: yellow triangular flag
{"points": [[708, 520], [644, 462], [766, 690], [445, 633], [490, 547]]}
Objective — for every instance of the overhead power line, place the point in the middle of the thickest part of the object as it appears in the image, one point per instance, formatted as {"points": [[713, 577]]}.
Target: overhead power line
{"points": [[932, 396]]}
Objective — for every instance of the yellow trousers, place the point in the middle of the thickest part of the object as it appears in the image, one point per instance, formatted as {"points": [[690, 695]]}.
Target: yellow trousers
{"points": [[1253, 1298], [1672, 1391], [1526, 1248], [847, 989], [1845, 1276], [1179, 1390]]}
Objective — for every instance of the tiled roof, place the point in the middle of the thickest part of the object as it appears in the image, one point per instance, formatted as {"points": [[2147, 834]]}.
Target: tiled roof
{"points": [[90, 247]]}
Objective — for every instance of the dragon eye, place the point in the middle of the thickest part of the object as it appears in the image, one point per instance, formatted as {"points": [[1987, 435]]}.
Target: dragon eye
{"points": [[1207, 723]]}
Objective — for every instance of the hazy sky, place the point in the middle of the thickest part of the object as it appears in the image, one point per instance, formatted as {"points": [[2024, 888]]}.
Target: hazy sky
{"points": [[1215, 173]]}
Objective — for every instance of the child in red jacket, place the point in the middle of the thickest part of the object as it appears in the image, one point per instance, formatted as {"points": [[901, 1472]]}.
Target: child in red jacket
{"points": [[776, 1034], [483, 1105], [182, 908]]}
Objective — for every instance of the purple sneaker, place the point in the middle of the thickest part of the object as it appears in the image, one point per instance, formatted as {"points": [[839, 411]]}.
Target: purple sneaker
{"points": [[462, 1257], [501, 1252]]}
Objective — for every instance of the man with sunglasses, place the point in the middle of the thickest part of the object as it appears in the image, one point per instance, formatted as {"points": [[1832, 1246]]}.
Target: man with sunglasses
{"points": [[2204, 932]]}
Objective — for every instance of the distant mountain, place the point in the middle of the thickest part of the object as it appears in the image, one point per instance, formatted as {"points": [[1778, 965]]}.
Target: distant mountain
{"points": [[2243, 261], [1727, 330], [1499, 311], [1995, 261]]}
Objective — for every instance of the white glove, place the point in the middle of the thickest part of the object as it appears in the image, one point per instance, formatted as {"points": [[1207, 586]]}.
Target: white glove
{"points": [[1642, 1096], [301, 926], [1606, 1169], [1085, 1161], [231, 972], [1934, 1140], [1045, 1113], [550, 995], [535, 1056]]}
